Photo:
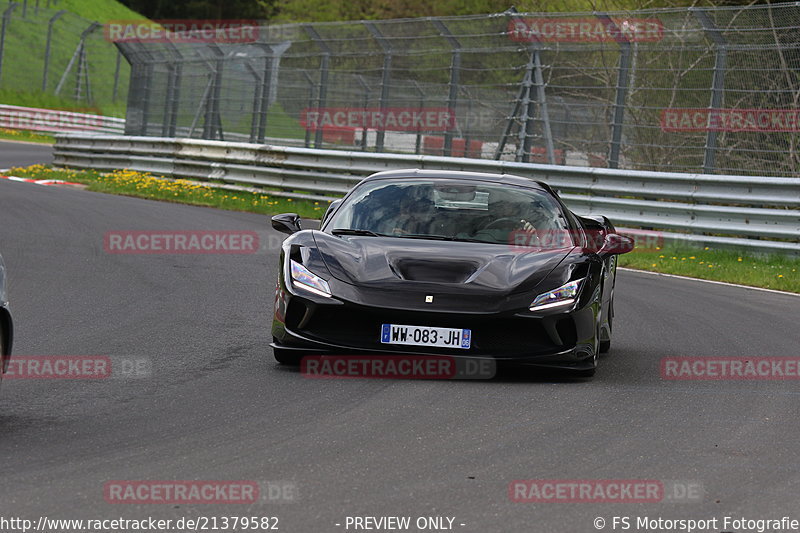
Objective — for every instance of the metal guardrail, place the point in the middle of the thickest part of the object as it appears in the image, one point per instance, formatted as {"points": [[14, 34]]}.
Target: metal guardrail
{"points": [[762, 213], [54, 121]]}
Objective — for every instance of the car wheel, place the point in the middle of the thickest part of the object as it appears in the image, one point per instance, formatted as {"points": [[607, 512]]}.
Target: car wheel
{"points": [[605, 346], [3, 358]]}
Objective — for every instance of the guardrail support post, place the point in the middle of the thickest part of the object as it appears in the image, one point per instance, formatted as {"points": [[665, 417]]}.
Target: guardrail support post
{"points": [[623, 73], [717, 86], [385, 79]]}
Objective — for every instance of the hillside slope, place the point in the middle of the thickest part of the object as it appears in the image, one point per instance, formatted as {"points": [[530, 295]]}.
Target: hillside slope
{"points": [[24, 58]]}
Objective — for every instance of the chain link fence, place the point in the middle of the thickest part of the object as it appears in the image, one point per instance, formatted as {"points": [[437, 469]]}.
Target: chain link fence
{"points": [[711, 90], [50, 50]]}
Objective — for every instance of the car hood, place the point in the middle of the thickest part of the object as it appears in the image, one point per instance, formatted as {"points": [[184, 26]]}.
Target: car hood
{"points": [[398, 263]]}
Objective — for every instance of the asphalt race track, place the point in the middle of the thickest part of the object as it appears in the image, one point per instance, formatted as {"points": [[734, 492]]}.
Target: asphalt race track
{"points": [[215, 405], [23, 154]]}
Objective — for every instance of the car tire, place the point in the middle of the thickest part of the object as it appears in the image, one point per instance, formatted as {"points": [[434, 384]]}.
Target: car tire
{"points": [[605, 346], [3, 357]]}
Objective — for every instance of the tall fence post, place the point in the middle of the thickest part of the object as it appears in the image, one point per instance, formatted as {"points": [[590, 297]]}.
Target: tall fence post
{"points": [[365, 104], [116, 78], [618, 120], [264, 89], [455, 73], [137, 109], [47, 46], [312, 91], [137, 114], [6, 19], [256, 101], [212, 123], [421, 94], [527, 105], [172, 97], [543, 111], [717, 85], [80, 57], [324, 66], [385, 79], [267, 87]]}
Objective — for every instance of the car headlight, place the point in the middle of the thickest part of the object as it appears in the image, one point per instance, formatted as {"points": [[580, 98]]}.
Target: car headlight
{"points": [[305, 279], [564, 295]]}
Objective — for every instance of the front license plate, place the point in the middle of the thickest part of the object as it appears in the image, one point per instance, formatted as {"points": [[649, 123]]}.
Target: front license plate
{"points": [[426, 336]]}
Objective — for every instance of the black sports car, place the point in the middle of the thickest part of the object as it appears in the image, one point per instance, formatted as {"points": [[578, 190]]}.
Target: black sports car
{"points": [[6, 326], [466, 265]]}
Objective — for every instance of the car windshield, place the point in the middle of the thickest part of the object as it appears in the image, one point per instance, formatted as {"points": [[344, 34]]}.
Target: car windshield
{"points": [[472, 211]]}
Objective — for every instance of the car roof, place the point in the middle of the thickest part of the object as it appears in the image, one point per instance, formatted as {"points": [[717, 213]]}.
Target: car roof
{"points": [[416, 173]]}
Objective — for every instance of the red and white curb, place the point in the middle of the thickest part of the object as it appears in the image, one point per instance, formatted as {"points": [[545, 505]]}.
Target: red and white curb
{"points": [[38, 182]]}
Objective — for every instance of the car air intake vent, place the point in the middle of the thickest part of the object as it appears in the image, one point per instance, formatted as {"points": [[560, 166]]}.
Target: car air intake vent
{"points": [[435, 271]]}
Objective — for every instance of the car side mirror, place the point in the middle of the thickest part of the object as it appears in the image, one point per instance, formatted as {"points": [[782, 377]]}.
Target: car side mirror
{"points": [[614, 243], [287, 223]]}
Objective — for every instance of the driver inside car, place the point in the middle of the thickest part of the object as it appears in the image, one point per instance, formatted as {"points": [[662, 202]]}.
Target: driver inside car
{"points": [[411, 216], [506, 219]]}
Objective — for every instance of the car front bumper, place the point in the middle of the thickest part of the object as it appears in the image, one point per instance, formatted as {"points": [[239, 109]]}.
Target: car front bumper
{"points": [[312, 325]]}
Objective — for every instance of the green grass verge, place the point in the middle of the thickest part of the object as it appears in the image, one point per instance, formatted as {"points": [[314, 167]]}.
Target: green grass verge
{"points": [[772, 272], [27, 136], [141, 185]]}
